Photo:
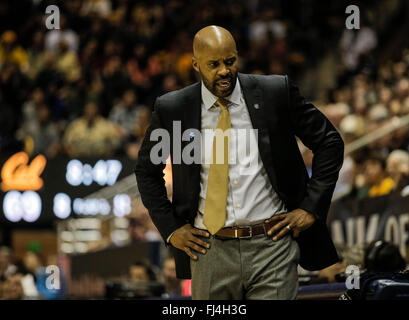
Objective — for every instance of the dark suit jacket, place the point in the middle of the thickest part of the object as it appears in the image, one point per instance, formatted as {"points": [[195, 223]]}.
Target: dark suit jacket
{"points": [[282, 113]]}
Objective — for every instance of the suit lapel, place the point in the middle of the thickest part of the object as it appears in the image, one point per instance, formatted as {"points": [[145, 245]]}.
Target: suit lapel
{"points": [[192, 116], [192, 109], [253, 95]]}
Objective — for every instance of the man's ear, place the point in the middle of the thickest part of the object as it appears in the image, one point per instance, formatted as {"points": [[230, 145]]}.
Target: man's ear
{"points": [[195, 64]]}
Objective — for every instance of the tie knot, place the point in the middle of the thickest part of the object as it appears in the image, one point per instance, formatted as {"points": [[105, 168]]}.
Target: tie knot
{"points": [[222, 103]]}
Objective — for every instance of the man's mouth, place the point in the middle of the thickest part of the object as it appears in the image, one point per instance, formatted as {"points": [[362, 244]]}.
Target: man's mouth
{"points": [[224, 84]]}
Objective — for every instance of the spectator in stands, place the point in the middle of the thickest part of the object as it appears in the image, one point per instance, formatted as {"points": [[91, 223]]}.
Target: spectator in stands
{"points": [[64, 33], [141, 227], [266, 23], [135, 138], [142, 122], [336, 112], [124, 113], [402, 88], [357, 43], [32, 263], [48, 74], [40, 134], [173, 285], [136, 230], [36, 55], [352, 127], [377, 181], [170, 83], [11, 279], [67, 62], [141, 68], [377, 115], [101, 8], [141, 271], [11, 52], [31, 268], [397, 166], [91, 135], [12, 288], [140, 230], [114, 81], [31, 105], [7, 268]]}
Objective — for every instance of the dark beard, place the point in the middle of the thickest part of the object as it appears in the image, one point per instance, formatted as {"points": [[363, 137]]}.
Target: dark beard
{"points": [[213, 88]]}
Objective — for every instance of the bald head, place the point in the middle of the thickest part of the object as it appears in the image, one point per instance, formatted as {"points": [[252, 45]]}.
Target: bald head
{"points": [[215, 59], [212, 38]]}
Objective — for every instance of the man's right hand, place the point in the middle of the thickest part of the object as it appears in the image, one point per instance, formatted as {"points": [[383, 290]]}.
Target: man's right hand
{"points": [[185, 240]]}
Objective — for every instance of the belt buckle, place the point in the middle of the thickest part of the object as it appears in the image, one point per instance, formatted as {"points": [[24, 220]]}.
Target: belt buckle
{"points": [[244, 237]]}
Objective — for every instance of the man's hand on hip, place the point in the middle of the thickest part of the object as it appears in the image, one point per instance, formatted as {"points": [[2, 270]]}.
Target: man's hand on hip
{"points": [[294, 221], [185, 240]]}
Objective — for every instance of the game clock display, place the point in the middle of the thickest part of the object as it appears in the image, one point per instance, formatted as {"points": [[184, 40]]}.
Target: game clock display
{"points": [[40, 191]]}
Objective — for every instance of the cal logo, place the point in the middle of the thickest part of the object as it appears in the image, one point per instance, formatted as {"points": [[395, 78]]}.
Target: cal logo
{"points": [[17, 174]]}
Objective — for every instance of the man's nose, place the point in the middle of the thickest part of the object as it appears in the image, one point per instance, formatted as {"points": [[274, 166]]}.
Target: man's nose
{"points": [[223, 71]]}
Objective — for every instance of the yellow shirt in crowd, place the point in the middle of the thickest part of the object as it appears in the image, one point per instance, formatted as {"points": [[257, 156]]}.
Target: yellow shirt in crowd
{"points": [[385, 187]]}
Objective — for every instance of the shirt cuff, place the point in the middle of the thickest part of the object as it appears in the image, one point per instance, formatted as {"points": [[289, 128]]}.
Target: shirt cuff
{"points": [[168, 239]]}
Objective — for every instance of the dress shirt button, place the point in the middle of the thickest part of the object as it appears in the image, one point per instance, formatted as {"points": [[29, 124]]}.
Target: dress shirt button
{"points": [[238, 205], [235, 182]]}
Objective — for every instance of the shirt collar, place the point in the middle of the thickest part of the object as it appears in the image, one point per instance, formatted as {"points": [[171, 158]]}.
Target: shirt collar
{"points": [[209, 99]]}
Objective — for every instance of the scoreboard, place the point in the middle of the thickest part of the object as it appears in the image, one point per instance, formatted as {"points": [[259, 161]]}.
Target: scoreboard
{"points": [[39, 191]]}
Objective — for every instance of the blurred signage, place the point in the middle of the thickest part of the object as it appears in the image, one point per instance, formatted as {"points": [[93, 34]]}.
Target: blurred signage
{"points": [[18, 206], [43, 190], [354, 222], [103, 173]]}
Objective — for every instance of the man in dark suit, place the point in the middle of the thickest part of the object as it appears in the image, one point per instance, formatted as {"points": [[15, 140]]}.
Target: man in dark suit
{"points": [[241, 234]]}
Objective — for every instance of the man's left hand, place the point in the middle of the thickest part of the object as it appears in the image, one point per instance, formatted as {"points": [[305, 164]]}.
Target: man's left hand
{"points": [[294, 221]]}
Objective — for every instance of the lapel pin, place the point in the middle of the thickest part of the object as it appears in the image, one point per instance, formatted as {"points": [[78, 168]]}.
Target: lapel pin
{"points": [[256, 106], [191, 135]]}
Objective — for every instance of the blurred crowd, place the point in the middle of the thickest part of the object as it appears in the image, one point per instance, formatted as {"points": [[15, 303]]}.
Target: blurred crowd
{"points": [[369, 101], [88, 87], [28, 278]]}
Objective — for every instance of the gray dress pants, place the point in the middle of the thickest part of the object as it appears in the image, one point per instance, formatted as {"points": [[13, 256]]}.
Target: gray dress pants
{"points": [[236, 269]]}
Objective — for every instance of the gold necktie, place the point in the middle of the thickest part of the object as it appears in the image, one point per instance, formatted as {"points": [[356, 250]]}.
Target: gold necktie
{"points": [[214, 216]]}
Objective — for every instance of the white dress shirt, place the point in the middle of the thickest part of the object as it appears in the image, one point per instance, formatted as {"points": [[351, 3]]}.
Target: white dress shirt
{"points": [[251, 198]]}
